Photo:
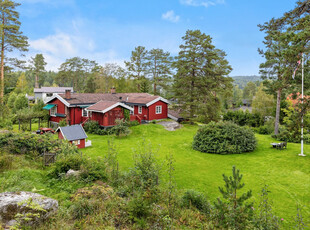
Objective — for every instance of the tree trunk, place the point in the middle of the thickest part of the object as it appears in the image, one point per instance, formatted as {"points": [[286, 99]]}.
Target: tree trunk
{"points": [[2, 64], [277, 121], [37, 81]]}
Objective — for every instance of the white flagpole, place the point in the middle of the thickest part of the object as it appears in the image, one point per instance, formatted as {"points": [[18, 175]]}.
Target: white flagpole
{"points": [[302, 102]]}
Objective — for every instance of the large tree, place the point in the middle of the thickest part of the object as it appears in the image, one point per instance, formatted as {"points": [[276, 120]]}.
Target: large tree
{"points": [[159, 68], [286, 38], [38, 67], [11, 37], [75, 71], [137, 67], [201, 76]]}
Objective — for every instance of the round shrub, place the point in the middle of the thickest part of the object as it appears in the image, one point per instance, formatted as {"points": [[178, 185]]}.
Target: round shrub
{"points": [[224, 138]]}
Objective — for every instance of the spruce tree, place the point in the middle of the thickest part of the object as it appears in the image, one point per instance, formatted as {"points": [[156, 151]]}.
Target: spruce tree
{"points": [[11, 37], [201, 76]]}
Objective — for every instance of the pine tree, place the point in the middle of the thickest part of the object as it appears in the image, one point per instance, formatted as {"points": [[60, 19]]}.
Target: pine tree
{"points": [[11, 36], [38, 66], [234, 211], [286, 38], [200, 77], [159, 68], [137, 66]]}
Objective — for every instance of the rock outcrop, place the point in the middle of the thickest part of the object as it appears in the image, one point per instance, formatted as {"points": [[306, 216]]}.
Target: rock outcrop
{"points": [[35, 206]]}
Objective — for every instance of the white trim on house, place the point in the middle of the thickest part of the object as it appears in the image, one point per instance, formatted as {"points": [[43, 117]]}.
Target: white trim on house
{"points": [[84, 109], [156, 100], [60, 99], [61, 133], [112, 107]]}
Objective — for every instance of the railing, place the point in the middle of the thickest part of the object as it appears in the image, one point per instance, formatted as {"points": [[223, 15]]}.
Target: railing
{"points": [[83, 123]]}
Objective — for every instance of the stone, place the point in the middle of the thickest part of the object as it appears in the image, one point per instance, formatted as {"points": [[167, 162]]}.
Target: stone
{"points": [[12, 203], [72, 172], [170, 125]]}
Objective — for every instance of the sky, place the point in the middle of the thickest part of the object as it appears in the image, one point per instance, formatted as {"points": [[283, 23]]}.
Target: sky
{"points": [[107, 31]]}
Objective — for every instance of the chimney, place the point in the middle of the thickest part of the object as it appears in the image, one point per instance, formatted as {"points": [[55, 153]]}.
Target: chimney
{"points": [[113, 91], [68, 94]]}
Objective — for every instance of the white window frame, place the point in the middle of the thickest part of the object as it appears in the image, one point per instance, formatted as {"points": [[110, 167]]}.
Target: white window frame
{"points": [[140, 109], [84, 110], [76, 142], [130, 111], [158, 109], [53, 111]]}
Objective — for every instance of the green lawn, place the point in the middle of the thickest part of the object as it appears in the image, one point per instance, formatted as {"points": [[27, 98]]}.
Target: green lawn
{"points": [[287, 174]]}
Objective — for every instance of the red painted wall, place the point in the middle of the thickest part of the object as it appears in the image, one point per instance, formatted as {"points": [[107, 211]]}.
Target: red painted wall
{"points": [[81, 145], [152, 111], [60, 135], [144, 114], [108, 118], [60, 109], [75, 115]]}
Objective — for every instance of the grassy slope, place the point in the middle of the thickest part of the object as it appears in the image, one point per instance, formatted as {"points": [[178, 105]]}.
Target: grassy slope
{"points": [[287, 175]]}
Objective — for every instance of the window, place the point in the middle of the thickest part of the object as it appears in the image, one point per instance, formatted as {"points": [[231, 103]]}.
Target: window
{"points": [[158, 109], [84, 113], [140, 109], [131, 112], [77, 142], [53, 111]]}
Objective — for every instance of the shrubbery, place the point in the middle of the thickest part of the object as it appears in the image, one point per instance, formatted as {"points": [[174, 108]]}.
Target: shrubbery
{"points": [[224, 138], [121, 128], [244, 118], [33, 144]]}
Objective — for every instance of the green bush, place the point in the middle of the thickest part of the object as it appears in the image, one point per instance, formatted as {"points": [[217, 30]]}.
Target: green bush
{"points": [[90, 170], [133, 123], [244, 118], [91, 126], [265, 129], [121, 128], [63, 123], [197, 200], [224, 138]]}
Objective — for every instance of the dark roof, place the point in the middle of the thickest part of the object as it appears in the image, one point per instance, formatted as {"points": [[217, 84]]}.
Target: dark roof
{"points": [[92, 98], [73, 132], [52, 89]]}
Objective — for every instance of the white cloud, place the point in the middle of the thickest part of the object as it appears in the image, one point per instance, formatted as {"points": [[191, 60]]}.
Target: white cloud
{"points": [[204, 3], [170, 16]]}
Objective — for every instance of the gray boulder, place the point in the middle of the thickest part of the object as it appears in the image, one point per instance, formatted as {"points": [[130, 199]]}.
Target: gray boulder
{"points": [[170, 125], [22, 203]]}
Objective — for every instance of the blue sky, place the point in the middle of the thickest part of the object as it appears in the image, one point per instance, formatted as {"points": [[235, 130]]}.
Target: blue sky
{"points": [[108, 30]]}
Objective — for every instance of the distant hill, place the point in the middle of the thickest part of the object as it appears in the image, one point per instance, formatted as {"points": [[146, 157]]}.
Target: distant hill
{"points": [[241, 81]]}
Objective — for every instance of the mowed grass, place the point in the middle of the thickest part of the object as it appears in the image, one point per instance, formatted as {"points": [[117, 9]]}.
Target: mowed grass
{"points": [[287, 174]]}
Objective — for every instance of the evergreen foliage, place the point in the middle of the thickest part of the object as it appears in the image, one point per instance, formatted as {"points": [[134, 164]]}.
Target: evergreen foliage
{"points": [[11, 37], [20, 102], [244, 118], [224, 138], [201, 76], [38, 67], [234, 211]]}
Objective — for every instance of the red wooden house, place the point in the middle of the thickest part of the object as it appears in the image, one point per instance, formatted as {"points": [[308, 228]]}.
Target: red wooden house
{"points": [[77, 108]]}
